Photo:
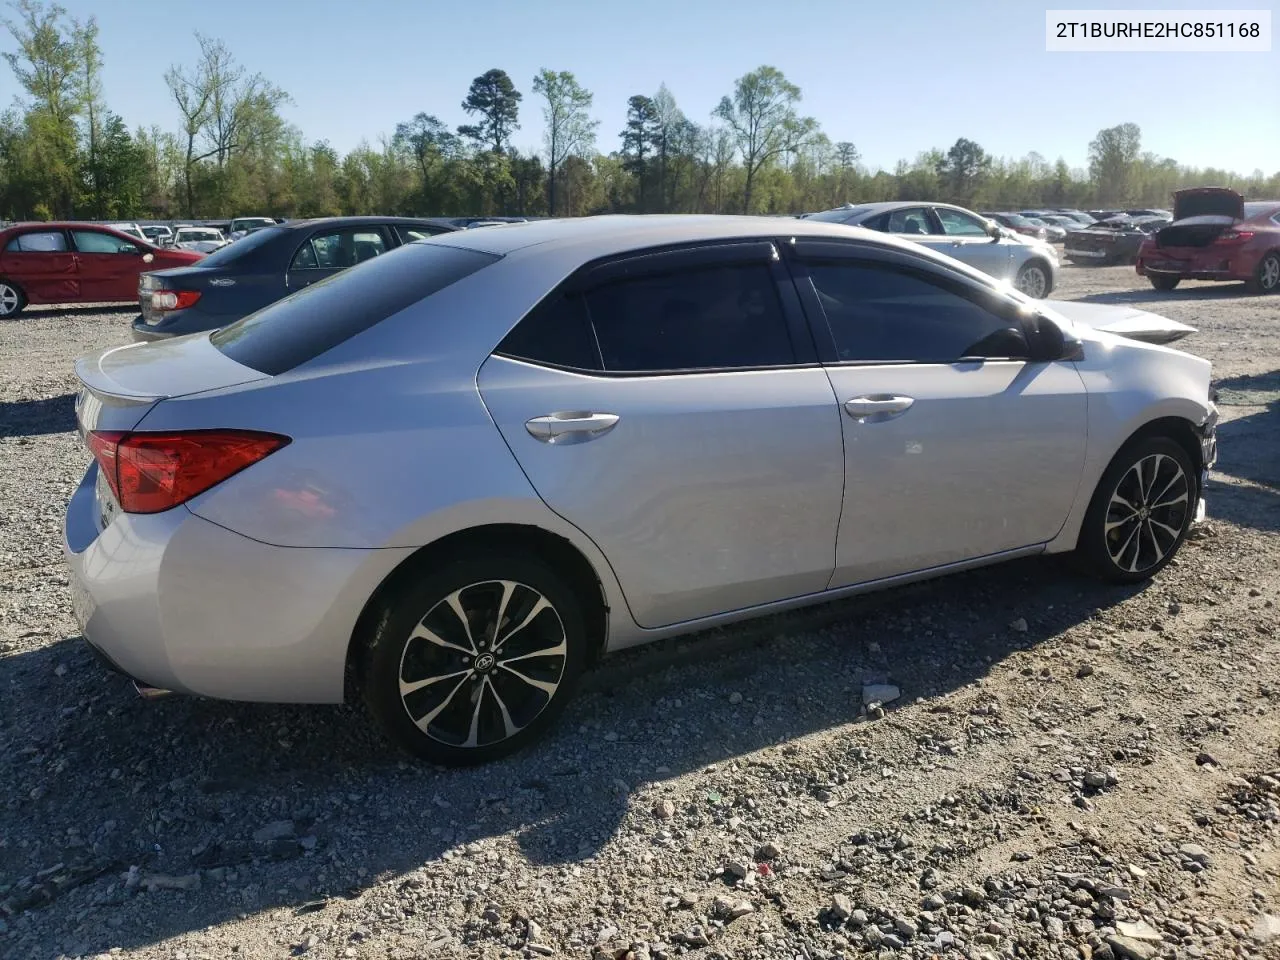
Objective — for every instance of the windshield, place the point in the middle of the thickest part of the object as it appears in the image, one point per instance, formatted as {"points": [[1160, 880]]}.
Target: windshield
{"points": [[1257, 208], [198, 235], [245, 245], [1016, 220]]}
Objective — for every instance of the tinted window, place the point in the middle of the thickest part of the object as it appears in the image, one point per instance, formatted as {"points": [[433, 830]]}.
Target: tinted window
{"points": [[715, 317], [339, 249], [90, 241], [958, 224], [912, 220], [879, 313], [319, 317], [557, 332], [48, 242]]}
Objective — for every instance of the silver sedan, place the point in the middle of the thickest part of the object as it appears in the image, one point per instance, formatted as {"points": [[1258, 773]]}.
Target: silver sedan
{"points": [[1030, 265], [465, 469]]}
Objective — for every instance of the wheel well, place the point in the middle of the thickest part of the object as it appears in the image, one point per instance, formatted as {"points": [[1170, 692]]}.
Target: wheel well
{"points": [[1181, 431], [554, 550]]}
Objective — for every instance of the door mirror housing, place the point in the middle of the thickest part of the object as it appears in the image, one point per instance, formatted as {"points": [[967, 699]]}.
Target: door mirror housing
{"points": [[1049, 342], [994, 230]]}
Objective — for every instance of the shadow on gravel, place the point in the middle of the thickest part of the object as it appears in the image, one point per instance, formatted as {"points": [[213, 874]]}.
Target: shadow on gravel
{"points": [[33, 418], [1217, 291], [80, 310], [1249, 452], [92, 776]]}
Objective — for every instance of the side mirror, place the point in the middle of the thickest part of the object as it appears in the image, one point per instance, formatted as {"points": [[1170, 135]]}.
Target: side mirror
{"points": [[1049, 342], [994, 231]]}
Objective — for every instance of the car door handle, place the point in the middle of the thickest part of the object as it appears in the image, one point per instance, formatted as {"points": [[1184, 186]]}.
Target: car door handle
{"points": [[571, 427], [879, 407]]}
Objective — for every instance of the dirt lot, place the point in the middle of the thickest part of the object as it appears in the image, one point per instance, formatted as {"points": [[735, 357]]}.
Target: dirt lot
{"points": [[1072, 770]]}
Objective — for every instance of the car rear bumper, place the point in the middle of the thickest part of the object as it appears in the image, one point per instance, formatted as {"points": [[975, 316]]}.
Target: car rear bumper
{"points": [[145, 333], [179, 603], [1201, 267]]}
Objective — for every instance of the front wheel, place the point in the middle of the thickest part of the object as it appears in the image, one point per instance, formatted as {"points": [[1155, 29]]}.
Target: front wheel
{"points": [[1033, 280], [474, 659], [12, 300], [1266, 279], [1162, 281], [1140, 512]]}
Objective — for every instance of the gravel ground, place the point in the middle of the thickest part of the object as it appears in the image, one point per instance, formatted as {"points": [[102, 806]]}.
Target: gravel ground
{"points": [[1071, 770]]}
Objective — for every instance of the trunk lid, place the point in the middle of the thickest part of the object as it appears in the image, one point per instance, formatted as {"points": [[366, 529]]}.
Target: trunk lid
{"points": [[1127, 322], [1208, 201], [121, 385]]}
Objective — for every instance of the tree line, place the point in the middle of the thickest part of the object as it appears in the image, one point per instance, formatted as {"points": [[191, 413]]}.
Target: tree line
{"points": [[229, 151]]}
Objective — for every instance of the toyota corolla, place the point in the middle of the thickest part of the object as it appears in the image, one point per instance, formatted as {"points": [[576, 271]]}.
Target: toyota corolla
{"points": [[465, 469]]}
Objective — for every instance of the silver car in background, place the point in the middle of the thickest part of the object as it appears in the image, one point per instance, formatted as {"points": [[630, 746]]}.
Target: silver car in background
{"points": [[464, 469], [1030, 265]]}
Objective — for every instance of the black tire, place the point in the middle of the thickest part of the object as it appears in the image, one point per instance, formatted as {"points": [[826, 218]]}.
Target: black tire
{"points": [[1162, 281], [1115, 555], [508, 712], [1024, 278], [12, 299], [1266, 278]]}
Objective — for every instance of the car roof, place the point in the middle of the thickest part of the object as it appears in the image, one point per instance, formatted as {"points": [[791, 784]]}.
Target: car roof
{"points": [[588, 238]]}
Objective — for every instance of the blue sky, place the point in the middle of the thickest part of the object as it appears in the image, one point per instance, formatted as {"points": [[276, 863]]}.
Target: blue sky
{"points": [[893, 77]]}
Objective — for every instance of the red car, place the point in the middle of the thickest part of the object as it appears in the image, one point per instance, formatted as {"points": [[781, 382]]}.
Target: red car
{"points": [[1215, 235], [75, 263]]}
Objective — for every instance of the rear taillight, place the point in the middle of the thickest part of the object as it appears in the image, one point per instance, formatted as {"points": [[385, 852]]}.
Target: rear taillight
{"points": [[165, 300], [1234, 236], [154, 472]]}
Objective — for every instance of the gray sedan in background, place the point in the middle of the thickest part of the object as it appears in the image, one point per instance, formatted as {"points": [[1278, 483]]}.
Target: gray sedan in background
{"points": [[1031, 266]]}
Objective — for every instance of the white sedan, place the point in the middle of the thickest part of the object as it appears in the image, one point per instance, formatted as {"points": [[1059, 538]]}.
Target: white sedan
{"points": [[199, 239]]}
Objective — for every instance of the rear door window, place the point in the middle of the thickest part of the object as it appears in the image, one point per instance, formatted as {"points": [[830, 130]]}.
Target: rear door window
{"points": [[317, 318], [339, 249], [45, 241], [716, 317]]}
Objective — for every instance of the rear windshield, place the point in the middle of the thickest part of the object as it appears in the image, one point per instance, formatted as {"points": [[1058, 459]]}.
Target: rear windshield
{"points": [[317, 318], [245, 245], [1257, 208], [839, 215]]}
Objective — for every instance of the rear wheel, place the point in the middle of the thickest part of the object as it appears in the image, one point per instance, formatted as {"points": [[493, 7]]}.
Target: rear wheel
{"points": [[1266, 279], [1162, 281], [1140, 512], [475, 659], [1033, 279], [12, 300]]}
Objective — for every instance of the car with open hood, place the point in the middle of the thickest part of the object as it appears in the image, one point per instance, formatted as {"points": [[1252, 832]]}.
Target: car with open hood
{"points": [[1215, 235], [449, 479]]}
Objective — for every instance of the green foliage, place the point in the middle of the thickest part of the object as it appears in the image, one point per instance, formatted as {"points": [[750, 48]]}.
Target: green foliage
{"points": [[229, 152]]}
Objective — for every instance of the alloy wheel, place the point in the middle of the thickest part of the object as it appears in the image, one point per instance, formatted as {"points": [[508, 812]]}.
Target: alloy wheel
{"points": [[9, 300], [1147, 513], [1269, 273], [483, 664], [1033, 282]]}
